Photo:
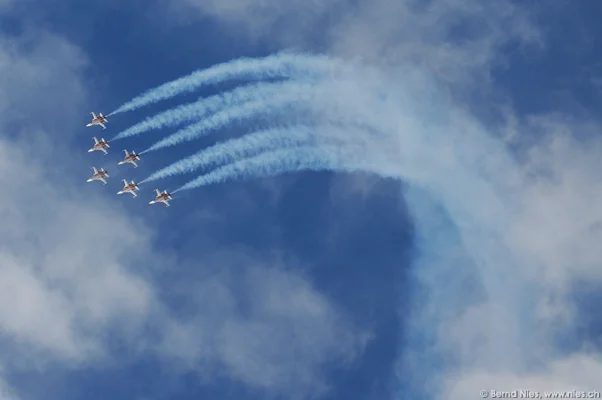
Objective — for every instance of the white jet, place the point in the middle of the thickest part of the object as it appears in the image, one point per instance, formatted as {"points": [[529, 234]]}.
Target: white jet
{"points": [[99, 175], [129, 188], [130, 158], [162, 197], [101, 145], [98, 120]]}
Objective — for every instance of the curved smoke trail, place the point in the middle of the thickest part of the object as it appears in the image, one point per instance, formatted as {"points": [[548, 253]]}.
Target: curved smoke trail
{"points": [[473, 178], [196, 110], [281, 65], [468, 174], [302, 158], [303, 101], [257, 142], [254, 109]]}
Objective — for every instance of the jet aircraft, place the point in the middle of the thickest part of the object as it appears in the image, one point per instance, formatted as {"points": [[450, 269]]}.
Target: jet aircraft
{"points": [[129, 188], [130, 158], [162, 198], [98, 120], [99, 175], [100, 145]]}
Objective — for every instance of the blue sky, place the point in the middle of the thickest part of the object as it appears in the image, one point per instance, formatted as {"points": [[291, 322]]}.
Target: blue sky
{"points": [[466, 273]]}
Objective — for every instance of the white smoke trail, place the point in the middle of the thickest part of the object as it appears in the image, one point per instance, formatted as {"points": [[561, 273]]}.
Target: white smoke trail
{"points": [[254, 109], [303, 102], [452, 161], [258, 142], [465, 176], [308, 158], [281, 65], [196, 110]]}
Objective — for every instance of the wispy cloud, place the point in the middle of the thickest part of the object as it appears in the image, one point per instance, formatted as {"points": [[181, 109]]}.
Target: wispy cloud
{"points": [[263, 324], [453, 38], [58, 295], [283, 65], [6, 392], [290, 19]]}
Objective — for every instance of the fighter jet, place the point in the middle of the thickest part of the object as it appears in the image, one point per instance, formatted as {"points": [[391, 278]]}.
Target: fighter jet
{"points": [[99, 175], [129, 188], [98, 120], [162, 197], [102, 146], [130, 158]]}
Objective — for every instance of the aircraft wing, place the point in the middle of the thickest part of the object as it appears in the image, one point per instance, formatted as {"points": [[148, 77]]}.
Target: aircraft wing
{"points": [[95, 170], [158, 192], [133, 193], [166, 203], [93, 115], [95, 140], [103, 180], [103, 125], [104, 150], [125, 182], [134, 162], [126, 152]]}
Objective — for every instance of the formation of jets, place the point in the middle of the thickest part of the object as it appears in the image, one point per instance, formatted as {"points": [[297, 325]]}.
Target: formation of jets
{"points": [[130, 158]]}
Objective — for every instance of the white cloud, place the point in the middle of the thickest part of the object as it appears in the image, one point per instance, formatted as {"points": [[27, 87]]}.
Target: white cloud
{"points": [[564, 203], [6, 392], [45, 67], [5, 4], [264, 325], [64, 258], [533, 245], [454, 39], [285, 19]]}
